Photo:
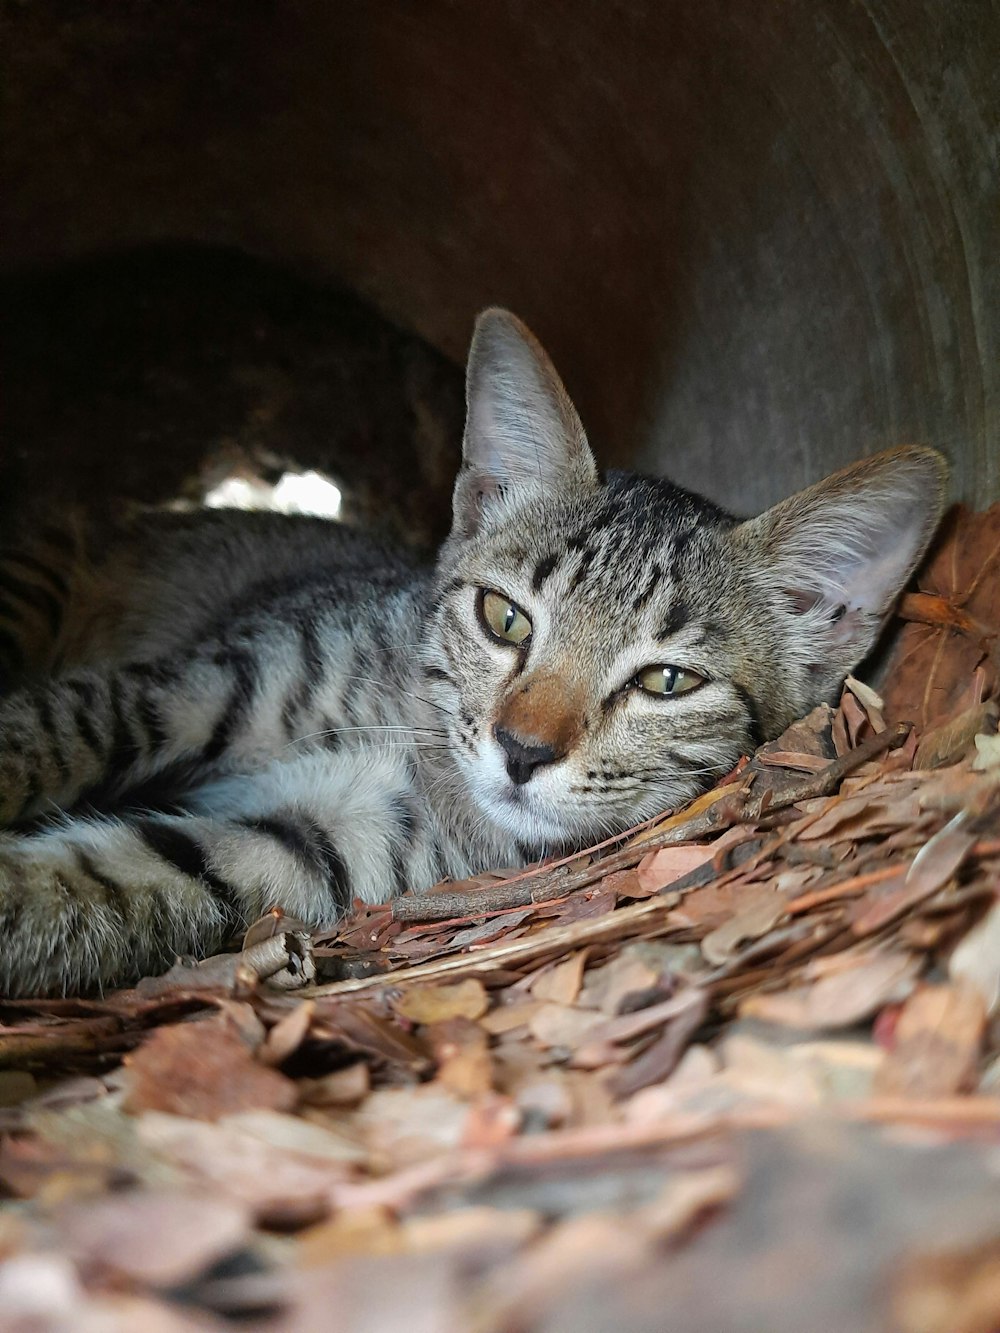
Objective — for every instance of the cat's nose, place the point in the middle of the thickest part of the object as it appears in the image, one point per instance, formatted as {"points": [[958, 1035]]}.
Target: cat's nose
{"points": [[523, 754]]}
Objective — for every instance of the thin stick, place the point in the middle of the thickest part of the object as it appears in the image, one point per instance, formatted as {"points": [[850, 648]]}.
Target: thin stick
{"points": [[553, 940]]}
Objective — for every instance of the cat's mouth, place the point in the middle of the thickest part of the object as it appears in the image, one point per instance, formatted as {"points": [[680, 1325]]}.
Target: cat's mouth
{"points": [[525, 810]]}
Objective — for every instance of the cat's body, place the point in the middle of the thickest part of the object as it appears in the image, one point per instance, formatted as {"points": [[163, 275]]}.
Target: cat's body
{"points": [[247, 710]]}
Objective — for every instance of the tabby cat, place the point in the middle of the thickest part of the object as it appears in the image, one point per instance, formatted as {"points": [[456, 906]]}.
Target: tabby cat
{"points": [[241, 710]]}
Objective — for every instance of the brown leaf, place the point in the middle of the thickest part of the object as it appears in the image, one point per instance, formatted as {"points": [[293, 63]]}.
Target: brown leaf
{"points": [[160, 1237], [344, 1087], [841, 998], [509, 1017], [686, 1198], [202, 1070], [857, 723], [947, 742], [802, 763], [949, 1291], [273, 922], [402, 1126], [808, 735], [928, 674], [931, 868], [288, 1034], [560, 982], [559, 1025], [436, 1004], [659, 870], [493, 929], [659, 1060], [760, 907], [283, 1167], [976, 959], [627, 973], [599, 1048], [936, 1043], [461, 1049], [360, 1028], [843, 816]]}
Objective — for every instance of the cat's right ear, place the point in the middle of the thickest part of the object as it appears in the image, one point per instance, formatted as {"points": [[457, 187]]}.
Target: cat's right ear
{"points": [[523, 437]]}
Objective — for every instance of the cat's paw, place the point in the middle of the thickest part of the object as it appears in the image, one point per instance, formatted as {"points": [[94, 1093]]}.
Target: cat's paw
{"points": [[50, 942]]}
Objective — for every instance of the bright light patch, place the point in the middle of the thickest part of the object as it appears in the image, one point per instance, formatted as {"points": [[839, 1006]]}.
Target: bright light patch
{"points": [[307, 493], [293, 493]]}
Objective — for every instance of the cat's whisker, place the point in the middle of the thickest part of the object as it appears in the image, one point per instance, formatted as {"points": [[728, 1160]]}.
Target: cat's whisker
{"points": [[374, 728]]}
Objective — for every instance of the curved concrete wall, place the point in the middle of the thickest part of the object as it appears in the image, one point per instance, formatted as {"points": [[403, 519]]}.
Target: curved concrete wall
{"points": [[760, 239]]}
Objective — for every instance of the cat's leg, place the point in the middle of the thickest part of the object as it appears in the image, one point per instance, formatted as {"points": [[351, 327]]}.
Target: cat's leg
{"points": [[92, 903], [108, 728]]}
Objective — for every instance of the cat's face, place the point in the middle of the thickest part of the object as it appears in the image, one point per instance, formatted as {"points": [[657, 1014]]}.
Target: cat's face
{"points": [[613, 630], [604, 648]]}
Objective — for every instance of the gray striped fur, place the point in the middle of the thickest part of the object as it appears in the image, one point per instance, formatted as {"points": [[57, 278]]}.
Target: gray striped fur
{"points": [[243, 710]]}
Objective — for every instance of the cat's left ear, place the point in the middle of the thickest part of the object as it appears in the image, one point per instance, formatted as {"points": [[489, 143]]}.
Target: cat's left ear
{"points": [[838, 554], [523, 437]]}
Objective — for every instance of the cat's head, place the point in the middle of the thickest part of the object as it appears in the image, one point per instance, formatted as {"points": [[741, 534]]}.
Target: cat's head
{"points": [[604, 647]]}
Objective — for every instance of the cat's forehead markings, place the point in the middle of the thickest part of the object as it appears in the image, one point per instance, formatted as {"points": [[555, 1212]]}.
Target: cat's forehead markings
{"points": [[642, 597], [674, 621], [543, 569]]}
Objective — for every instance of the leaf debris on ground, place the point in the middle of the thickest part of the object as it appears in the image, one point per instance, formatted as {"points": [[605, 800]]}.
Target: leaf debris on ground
{"points": [[656, 1076]]}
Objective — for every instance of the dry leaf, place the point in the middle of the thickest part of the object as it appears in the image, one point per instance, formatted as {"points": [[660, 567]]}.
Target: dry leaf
{"points": [[660, 869], [949, 1291], [160, 1237], [360, 1028], [403, 1126], [560, 982], [937, 1041], [629, 973], [946, 743], [606, 1035], [660, 1059], [436, 1004], [244, 1159], [461, 1049], [987, 758], [288, 1034], [809, 736], [685, 1200], [932, 867], [759, 909], [959, 598], [840, 999], [559, 1025], [344, 1087], [509, 1017], [203, 1070], [976, 959]]}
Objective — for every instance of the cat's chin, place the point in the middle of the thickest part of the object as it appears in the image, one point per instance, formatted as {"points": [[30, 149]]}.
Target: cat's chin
{"points": [[528, 813], [528, 818]]}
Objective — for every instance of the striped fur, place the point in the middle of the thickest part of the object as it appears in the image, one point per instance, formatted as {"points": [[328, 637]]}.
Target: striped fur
{"points": [[242, 710]]}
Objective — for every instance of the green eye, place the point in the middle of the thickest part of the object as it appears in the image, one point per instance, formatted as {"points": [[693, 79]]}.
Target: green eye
{"points": [[503, 618], [668, 680]]}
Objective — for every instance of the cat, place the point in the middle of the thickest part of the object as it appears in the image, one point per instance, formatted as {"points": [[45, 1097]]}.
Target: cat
{"points": [[252, 709]]}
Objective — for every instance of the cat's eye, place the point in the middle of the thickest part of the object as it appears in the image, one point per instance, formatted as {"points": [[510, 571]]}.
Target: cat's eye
{"points": [[503, 619], [668, 680]]}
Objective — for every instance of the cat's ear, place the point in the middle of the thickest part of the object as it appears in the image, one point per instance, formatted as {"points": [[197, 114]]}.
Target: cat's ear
{"points": [[838, 554], [522, 434]]}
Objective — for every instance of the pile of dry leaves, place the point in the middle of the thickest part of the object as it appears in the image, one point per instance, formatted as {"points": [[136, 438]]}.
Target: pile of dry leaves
{"points": [[738, 1070]]}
